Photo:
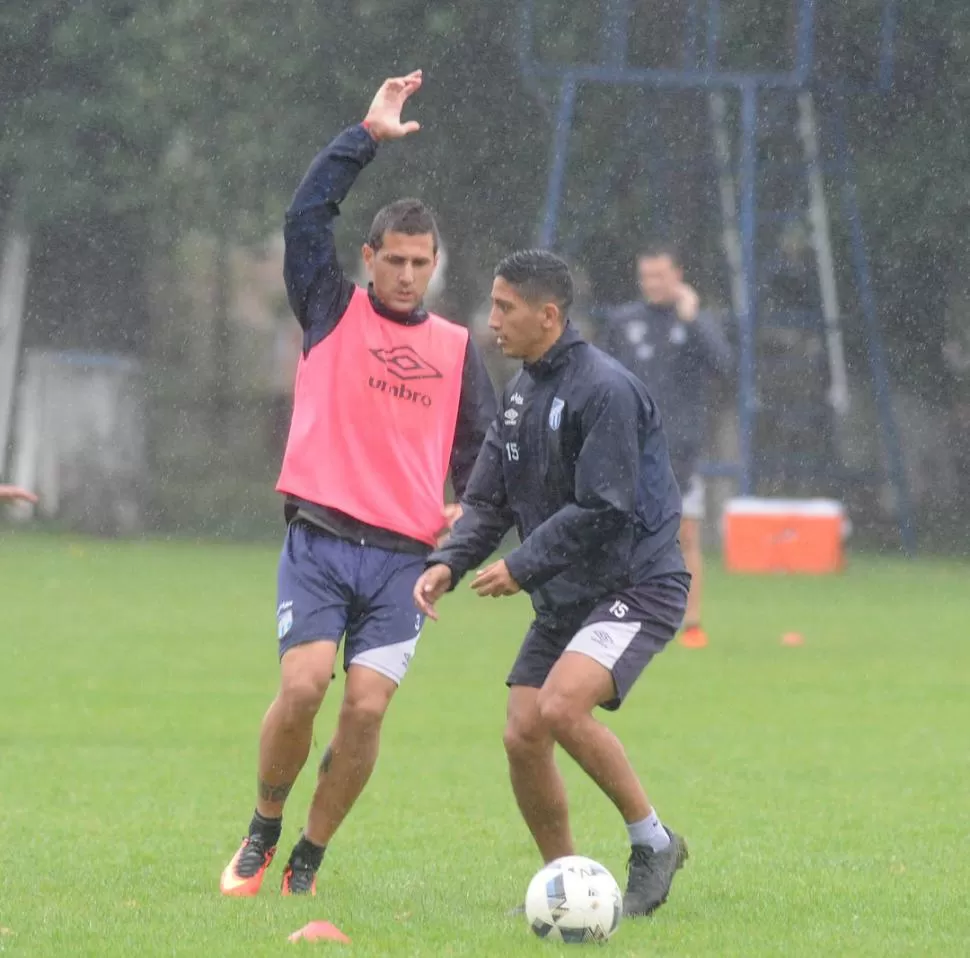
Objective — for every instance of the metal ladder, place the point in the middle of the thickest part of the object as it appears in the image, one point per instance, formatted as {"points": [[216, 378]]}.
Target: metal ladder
{"points": [[791, 118]]}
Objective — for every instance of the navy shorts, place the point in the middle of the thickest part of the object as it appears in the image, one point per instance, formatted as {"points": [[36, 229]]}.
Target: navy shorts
{"points": [[330, 588], [622, 632]]}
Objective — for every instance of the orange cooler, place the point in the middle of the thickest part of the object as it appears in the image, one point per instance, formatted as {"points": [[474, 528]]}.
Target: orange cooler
{"points": [[784, 535]]}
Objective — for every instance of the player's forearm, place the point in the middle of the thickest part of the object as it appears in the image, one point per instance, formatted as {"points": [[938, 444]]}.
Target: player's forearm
{"points": [[477, 534], [562, 540], [477, 409], [315, 284], [333, 172], [463, 459]]}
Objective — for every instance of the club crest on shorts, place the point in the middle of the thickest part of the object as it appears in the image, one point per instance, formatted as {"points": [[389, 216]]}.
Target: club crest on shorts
{"points": [[555, 413], [284, 619]]}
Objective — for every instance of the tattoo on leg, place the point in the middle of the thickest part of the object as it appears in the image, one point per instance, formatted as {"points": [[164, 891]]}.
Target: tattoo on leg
{"points": [[274, 793], [326, 760]]}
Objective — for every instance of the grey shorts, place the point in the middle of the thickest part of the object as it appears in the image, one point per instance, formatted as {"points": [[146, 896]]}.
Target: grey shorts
{"points": [[621, 632]]}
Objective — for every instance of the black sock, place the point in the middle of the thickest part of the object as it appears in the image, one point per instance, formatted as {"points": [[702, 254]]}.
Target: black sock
{"points": [[308, 853], [268, 829]]}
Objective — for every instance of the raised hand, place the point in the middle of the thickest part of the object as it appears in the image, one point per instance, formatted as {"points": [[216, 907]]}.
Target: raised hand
{"points": [[687, 303], [383, 119]]}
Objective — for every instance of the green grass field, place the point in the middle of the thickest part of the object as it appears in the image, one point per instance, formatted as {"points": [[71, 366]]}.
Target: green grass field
{"points": [[824, 790]]}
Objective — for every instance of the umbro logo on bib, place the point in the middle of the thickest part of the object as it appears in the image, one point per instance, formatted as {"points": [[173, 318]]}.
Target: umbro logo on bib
{"points": [[405, 363]]}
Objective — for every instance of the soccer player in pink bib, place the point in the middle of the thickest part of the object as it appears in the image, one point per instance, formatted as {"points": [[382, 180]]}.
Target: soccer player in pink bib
{"points": [[389, 400]]}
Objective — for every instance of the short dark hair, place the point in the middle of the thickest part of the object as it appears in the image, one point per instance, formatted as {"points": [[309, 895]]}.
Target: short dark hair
{"points": [[408, 216], [538, 274], [658, 248]]}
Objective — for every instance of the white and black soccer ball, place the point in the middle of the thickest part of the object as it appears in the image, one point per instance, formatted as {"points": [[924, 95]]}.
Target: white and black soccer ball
{"points": [[574, 900]]}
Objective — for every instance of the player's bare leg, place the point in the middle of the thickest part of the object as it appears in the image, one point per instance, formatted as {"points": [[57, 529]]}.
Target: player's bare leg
{"points": [[351, 755], [284, 744], [536, 780], [345, 769], [693, 635], [287, 731], [575, 686]]}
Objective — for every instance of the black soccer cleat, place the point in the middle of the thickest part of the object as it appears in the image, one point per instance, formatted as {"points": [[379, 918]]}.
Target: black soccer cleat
{"points": [[300, 875], [650, 876]]}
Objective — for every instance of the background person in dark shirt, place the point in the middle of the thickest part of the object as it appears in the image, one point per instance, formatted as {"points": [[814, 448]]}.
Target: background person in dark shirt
{"points": [[675, 348], [577, 461]]}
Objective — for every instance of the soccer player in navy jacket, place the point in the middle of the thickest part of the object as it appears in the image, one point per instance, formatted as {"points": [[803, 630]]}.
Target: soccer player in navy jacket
{"points": [[577, 462]]}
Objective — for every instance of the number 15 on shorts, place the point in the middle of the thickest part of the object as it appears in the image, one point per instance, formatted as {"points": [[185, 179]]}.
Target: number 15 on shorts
{"points": [[512, 451]]}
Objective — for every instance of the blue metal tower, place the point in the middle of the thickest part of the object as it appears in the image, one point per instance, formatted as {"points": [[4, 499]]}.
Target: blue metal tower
{"points": [[778, 155]]}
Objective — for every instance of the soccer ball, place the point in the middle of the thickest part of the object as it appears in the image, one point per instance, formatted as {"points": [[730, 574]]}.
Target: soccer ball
{"points": [[574, 900]]}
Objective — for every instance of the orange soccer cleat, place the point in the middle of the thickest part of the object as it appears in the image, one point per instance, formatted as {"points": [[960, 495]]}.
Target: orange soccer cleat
{"points": [[244, 874]]}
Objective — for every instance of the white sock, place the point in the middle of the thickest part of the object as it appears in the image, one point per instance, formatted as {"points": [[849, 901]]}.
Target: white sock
{"points": [[649, 832]]}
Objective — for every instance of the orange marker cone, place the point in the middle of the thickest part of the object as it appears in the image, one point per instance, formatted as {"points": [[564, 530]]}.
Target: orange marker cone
{"points": [[792, 638], [320, 931]]}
